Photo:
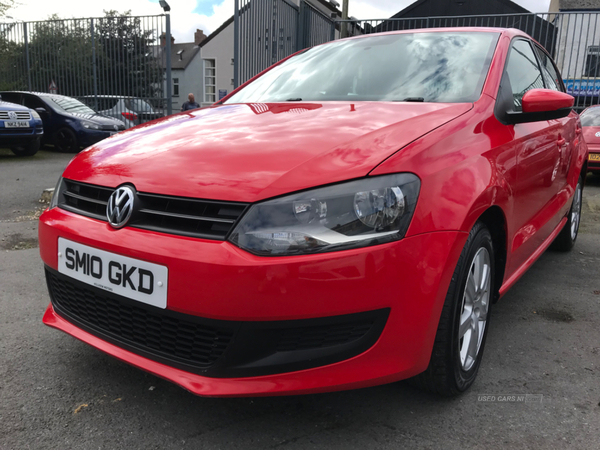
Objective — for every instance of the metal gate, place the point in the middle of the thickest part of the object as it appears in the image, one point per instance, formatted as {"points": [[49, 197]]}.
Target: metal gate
{"points": [[573, 40], [98, 60], [266, 31]]}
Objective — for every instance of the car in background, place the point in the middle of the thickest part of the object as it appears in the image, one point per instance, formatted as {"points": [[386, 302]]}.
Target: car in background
{"points": [[131, 110], [69, 125], [348, 218], [20, 129], [590, 121]]}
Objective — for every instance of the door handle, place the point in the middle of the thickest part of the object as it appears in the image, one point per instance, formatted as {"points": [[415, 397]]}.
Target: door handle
{"points": [[561, 142]]}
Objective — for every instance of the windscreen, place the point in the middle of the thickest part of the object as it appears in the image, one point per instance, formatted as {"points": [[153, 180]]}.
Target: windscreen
{"points": [[432, 67], [70, 105], [138, 105], [591, 118]]}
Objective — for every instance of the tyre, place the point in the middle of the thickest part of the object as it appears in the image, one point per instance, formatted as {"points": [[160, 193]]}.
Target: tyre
{"points": [[30, 149], [464, 322], [567, 237], [65, 141]]}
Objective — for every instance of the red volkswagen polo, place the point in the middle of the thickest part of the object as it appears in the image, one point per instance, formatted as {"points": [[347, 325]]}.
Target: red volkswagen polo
{"points": [[345, 219]]}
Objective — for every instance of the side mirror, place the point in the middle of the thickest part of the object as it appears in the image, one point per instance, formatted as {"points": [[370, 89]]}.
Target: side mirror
{"points": [[542, 104], [41, 111]]}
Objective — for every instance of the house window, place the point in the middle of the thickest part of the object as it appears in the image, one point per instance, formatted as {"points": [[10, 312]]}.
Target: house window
{"points": [[592, 62], [175, 87], [210, 81]]}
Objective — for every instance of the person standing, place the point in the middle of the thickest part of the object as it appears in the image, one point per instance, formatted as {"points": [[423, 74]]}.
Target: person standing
{"points": [[190, 104]]}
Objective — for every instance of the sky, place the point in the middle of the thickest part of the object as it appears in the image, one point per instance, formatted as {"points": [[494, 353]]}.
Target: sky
{"points": [[207, 15]]}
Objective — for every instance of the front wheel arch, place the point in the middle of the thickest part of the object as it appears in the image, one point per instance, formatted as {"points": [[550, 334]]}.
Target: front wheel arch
{"points": [[495, 220], [446, 373]]}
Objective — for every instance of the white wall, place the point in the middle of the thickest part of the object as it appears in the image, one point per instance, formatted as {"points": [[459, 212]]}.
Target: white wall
{"points": [[577, 31], [189, 81], [220, 48]]}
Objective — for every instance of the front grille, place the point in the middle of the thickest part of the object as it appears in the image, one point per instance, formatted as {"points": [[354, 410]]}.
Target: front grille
{"points": [[322, 336], [214, 348], [174, 215], [155, 332], [84, 199], [21, 115]]}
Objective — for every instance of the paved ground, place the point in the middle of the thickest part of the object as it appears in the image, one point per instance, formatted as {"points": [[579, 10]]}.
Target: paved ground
{"points": [[58, 393]]}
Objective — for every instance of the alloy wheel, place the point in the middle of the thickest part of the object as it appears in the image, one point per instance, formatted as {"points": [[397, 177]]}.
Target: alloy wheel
{"points": [[475, 305], [576, 212]]}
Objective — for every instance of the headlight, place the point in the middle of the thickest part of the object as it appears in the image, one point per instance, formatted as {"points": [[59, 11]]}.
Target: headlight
{"points": [[56, 194], [89, 125], [344, 216], [35, 115]]}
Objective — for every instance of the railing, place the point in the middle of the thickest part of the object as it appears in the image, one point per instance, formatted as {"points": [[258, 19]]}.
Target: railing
{"points": [[97, 60]]}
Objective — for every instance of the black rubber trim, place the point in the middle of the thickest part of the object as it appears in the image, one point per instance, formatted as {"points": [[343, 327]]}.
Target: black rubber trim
{"points": [[253, 348]]}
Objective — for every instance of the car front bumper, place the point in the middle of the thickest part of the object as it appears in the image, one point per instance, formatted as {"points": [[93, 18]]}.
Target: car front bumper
{"points": [[16, 136], [399, 287]]}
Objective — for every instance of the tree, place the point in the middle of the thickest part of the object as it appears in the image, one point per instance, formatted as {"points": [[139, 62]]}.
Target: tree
{"points": [[12, 57], [65, 51], [5, 5], [127, 55], [61, 51]]}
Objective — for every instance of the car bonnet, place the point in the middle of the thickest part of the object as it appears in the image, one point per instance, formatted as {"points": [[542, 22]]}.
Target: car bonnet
{"points": [[249, 152]]}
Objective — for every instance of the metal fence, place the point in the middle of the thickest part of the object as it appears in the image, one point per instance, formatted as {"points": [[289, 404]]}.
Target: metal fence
{"points": [[572, 39], [113, 63], [266, 31]]}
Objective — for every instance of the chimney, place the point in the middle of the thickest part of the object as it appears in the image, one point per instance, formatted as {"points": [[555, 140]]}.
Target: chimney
{"points": [[163, 39], [199, 36]]}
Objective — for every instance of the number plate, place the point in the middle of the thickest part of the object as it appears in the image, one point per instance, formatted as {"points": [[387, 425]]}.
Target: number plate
{"points": [[19, 124], [594, 157], [132, 278]]}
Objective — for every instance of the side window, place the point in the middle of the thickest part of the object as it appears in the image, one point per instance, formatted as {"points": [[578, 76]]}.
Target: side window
{"points": [[523, 71], [550, 73], [33, 102]]}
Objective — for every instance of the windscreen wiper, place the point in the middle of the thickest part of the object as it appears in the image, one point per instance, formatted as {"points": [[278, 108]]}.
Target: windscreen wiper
{"points": [[294, 100], [414, 99]]}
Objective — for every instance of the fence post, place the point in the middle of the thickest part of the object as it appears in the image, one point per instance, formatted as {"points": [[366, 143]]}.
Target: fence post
{"points": [[333, 30], [168, 56], [236, 45], [300, 44], [344, 30], [94, 70], [27, 56]]}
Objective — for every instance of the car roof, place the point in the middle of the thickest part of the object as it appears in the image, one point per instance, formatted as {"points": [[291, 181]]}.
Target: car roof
{"points": [[589, 108], [106, 96], [39, 94], [510, 32]]}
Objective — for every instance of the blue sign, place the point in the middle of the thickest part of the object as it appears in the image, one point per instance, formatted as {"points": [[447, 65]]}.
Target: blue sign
{"points": [[222, 93], [583, 88]]}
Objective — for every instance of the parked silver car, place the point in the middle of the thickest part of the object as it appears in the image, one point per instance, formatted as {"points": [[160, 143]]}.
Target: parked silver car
{"points": [[131, 110]]}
